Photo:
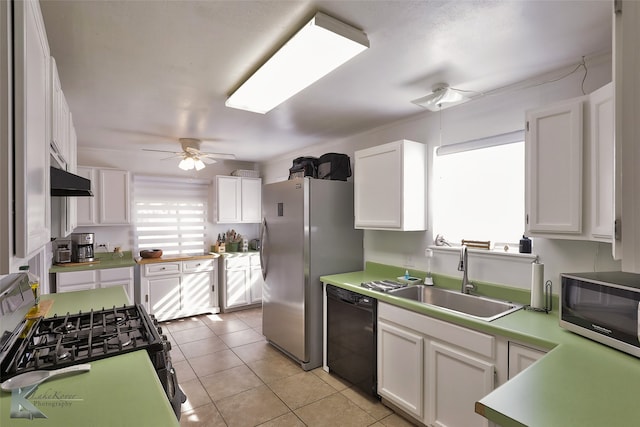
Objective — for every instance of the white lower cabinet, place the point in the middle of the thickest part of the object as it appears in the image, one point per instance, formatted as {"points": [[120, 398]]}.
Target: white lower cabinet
{"points": [[241, 280], [170, 290], [400, 367], [521, 357], [94, 279], [456, 380], [433, 370]]}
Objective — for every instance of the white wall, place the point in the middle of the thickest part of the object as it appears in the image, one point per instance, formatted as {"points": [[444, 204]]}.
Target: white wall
{"points": [[486, 116]]}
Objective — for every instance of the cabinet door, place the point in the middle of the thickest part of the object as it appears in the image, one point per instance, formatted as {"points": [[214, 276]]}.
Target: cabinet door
{"points": [[228, 202], [554, 168], [602, 162], [76, 280], [255, 287], [521, 357], [378, 187], [72, 166], [114, 196], [400, 367], [86, 207], [251, 199], [117, 277], [196, 290], [235, 288], [456, 381], [163, 297], [31, 129]]}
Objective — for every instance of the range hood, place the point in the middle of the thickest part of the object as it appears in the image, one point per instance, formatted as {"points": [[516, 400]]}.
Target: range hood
{"points": [[65, 184]]}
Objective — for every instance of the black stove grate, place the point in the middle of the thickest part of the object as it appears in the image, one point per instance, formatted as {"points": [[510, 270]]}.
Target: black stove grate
{"points": [[59, 341]]}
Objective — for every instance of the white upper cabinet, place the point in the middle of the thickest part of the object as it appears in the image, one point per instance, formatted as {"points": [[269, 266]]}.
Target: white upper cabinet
{"points": [[602, 162], [553, 168], [59, 116], [389, 187], [238, 199], [113, 196], [570, 168], [110, 204], [86, 207], [626, 71], [31, 129]]}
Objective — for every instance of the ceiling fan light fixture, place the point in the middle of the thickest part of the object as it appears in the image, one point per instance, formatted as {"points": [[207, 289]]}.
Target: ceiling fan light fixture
{"points": [[199, 164], [319, 47], [186, 164], [442, 97]]}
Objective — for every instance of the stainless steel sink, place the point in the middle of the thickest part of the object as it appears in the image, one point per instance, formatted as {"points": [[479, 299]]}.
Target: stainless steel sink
{"points": [[471, 305]]}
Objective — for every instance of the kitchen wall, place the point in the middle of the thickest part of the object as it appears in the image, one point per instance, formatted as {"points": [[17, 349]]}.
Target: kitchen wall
{"points": [[146, 163], [486, 116]]}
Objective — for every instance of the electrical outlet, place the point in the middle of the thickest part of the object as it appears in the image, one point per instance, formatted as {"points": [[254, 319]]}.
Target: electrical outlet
{"points": [[105, 245]]}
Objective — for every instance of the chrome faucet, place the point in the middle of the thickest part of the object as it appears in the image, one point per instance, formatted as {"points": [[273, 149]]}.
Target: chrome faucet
{"points": [[463, 266]]}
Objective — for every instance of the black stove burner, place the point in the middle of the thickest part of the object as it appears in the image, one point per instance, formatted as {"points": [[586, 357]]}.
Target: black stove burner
{"points": [[58, 355], [119, 341], [65, 328], [116, 318]]}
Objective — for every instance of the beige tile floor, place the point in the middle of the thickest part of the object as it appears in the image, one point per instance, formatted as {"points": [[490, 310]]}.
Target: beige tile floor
{"points": [[233, 377]]}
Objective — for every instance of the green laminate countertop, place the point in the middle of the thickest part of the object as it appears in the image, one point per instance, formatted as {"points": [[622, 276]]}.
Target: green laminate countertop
{"points": [[578, 383], [105, 260], [118, 391]]}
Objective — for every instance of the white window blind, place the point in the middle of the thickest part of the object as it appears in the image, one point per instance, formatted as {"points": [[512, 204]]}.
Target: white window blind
{"points": [[170, 214]]}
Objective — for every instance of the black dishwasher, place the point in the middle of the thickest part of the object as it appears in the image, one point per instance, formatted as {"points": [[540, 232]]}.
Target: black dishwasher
{"points": [[351, 337]]}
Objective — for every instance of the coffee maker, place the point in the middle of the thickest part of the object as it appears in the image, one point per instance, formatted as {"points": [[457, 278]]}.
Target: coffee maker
{"points": [[82, 247]]}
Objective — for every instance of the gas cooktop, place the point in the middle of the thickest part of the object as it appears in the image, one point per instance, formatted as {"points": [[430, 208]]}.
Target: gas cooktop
{"points": [[59, 341]]}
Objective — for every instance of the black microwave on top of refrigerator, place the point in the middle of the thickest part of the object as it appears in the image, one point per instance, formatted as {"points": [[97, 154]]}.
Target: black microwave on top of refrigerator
{"points": [[603, 306]]}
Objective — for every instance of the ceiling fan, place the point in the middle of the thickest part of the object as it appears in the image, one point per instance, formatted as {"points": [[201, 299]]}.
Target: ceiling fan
{"points": [[191, 155]]}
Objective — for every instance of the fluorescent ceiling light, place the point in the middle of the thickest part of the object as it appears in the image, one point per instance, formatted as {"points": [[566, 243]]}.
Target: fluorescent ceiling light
{"points": [[442, 97], [321, 46]]}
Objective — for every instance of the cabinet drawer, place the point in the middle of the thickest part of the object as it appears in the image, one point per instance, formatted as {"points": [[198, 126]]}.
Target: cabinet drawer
{"points": [[469, 339], [254, 260], [197, 265], [76, 278], [162, 268], [113, 274], [236, 262]]}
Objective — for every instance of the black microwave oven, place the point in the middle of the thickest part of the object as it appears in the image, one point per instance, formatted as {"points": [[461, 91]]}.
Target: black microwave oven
{"points": [[603, 306]]}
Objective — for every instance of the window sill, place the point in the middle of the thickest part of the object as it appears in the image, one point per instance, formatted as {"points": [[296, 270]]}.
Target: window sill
{"points": [[482, 253]]}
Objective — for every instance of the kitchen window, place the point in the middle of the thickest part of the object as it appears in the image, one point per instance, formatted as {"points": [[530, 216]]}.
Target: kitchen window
{"points": [[479, 190], [171, 214]]}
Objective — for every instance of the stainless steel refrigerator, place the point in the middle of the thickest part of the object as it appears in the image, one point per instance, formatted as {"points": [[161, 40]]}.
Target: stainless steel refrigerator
{"points": [[307, 232]]}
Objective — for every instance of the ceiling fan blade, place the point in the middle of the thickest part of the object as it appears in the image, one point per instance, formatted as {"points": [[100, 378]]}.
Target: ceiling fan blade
{"points": [[208, 160], [162, 151], [177, 156], [218, 156]]}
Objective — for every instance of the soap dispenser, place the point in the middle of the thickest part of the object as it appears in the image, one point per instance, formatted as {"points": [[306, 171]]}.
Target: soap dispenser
{"points": [[428, 280]]}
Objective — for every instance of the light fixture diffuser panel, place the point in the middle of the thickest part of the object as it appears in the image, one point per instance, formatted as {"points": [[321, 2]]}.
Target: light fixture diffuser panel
{"points": [[441, 99], [320, 47]]}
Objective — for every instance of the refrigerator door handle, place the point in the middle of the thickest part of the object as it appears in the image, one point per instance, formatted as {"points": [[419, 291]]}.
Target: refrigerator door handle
{"points": [[263, 245]]}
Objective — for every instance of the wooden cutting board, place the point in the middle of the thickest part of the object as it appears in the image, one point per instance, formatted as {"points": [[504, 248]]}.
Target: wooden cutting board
{"points": [[43, 309], [77, 264]]}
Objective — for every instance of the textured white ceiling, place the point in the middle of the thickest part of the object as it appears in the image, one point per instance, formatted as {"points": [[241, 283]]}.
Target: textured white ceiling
{"points": [[141, 74]]}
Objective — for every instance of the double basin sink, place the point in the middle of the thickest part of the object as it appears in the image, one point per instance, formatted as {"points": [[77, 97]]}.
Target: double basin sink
{"points": [[471, 305]]}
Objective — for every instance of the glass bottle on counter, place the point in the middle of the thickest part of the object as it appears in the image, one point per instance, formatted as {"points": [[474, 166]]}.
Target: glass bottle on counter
{"points": [[34, 282]]}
